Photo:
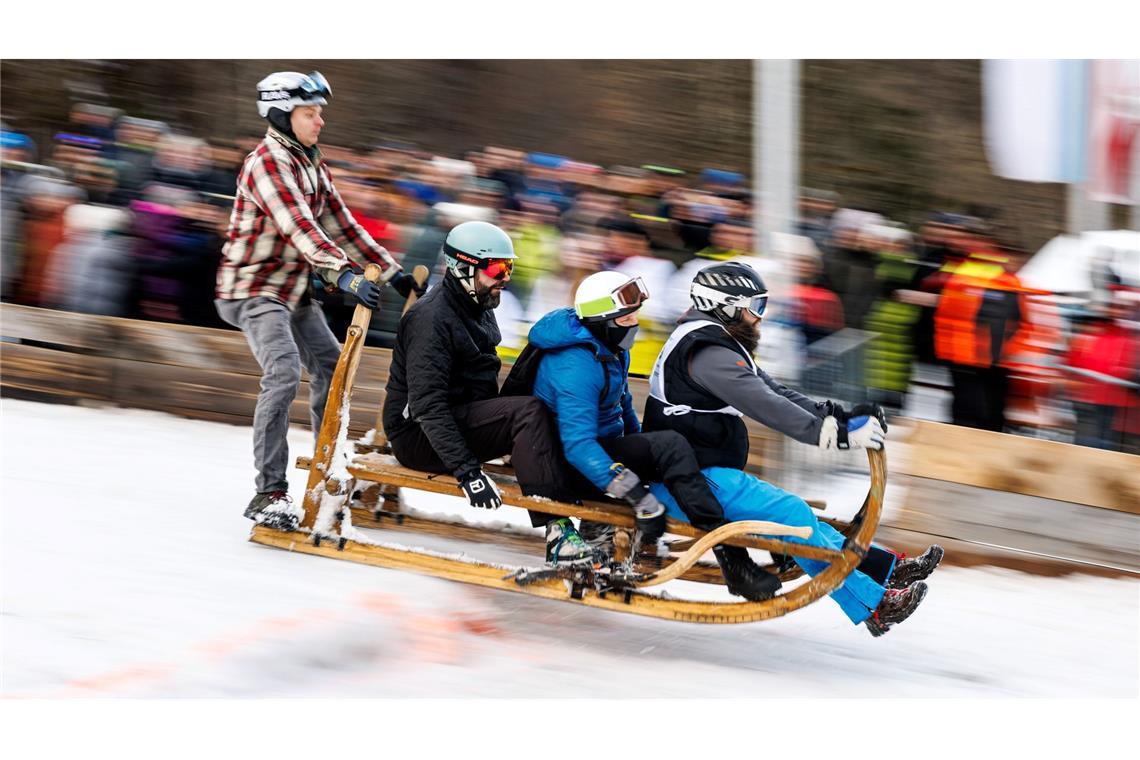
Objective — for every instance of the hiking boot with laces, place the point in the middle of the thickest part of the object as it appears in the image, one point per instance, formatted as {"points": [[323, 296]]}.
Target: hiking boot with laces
{"points": [[564, 544], [897, 606], [909, 570], [743, 576], [274, 510]]}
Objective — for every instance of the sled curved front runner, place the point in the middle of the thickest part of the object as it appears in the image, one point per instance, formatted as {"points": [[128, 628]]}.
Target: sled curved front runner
{"points": [[336, 471]]}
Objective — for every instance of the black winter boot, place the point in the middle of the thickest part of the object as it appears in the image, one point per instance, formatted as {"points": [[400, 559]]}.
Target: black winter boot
{"points": [[896, 607], [907, 571], [743, 576]]}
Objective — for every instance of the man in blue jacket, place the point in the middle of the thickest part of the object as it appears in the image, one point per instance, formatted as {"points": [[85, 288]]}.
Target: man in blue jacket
{"points": [[582, 378]]}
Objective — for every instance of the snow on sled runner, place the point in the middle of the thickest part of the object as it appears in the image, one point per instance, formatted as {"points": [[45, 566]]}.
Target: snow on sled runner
{"points": [[336, 471]]}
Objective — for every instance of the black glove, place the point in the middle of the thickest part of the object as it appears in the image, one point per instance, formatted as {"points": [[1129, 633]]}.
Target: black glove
{"points": [[870, 410], [481, 491], [648, 513], [366, 293], [842, 416], [404, 284]]}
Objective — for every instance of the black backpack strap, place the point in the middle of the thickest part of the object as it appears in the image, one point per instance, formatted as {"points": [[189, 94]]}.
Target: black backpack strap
{"points": [[520, 380]]}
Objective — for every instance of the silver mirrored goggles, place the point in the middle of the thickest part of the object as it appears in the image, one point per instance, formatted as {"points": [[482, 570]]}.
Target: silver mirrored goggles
{"points": [[316, 85]]}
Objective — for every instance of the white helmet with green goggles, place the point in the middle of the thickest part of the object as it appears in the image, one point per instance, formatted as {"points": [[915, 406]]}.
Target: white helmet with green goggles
{"points": [[608, 295], [288, 89]]}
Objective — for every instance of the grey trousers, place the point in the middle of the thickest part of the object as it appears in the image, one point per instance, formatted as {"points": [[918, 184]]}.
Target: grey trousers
{"points": [[281, 341]]}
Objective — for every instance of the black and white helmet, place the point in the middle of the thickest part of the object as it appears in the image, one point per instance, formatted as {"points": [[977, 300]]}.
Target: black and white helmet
{"points": [[724, 290], [288, 89]]}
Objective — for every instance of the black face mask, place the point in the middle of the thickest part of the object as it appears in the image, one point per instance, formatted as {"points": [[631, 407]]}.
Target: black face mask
{"points": [[613, 336]]}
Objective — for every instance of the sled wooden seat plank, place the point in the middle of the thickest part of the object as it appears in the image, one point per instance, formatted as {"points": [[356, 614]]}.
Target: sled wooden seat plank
{"points": [[370, 467]]}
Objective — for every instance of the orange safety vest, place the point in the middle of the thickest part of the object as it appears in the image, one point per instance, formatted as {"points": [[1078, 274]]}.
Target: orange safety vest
{"points": [[958, 336]]}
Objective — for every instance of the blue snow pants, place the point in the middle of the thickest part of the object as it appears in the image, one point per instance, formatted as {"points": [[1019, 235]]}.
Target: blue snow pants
{"points": [[746, 497]]}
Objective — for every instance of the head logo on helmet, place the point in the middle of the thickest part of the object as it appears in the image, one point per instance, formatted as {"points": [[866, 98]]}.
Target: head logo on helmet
{"points": [[472, 246], [725, 291]]}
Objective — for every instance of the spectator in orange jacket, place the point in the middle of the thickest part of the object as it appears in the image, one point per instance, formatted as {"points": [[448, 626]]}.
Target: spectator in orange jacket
{"points": [[980, 322]]}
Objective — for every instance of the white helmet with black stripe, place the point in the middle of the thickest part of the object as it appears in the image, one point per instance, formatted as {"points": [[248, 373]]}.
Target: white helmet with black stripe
{"points": [[724, 291], [288, 89]]}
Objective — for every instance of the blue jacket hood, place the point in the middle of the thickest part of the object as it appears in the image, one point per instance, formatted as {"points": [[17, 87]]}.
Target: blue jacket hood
{"points": [[561, 329]]}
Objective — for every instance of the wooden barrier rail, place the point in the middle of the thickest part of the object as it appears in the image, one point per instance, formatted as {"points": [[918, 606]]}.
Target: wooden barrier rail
{"points": [[1051, 498]]}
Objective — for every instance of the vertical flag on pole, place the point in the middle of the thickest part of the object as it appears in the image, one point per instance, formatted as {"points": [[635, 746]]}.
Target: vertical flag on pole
{"points": [[1114, 147], [1036, 116]]}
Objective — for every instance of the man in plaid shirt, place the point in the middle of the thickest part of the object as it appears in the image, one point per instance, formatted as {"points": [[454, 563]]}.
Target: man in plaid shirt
{"points": [[289, 223]]}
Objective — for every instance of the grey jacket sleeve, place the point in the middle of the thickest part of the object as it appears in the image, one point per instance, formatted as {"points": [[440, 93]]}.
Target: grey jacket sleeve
{"points": [[722, 372]]}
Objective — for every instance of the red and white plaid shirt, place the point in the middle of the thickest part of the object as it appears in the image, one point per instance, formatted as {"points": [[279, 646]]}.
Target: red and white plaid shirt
{"points": [[285, 210]]}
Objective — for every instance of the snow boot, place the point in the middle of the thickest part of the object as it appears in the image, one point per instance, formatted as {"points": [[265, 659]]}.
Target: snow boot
{"points": [[273, 510], [564, 544], [897, 606], [743, 576], [907, 571], [600, 536]]}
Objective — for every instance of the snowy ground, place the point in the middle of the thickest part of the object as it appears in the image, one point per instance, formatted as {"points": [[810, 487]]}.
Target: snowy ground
{"points": [[126, 573]]}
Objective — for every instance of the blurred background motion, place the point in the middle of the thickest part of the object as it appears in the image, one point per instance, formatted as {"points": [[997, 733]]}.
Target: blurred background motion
{"points": [[956, 240]]}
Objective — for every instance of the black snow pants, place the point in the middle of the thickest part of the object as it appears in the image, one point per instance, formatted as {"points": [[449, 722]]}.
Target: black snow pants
{"points": [[517, 425], [664, 456]]}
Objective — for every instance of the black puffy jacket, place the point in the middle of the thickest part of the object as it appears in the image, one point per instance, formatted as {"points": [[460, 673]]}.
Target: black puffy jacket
{"points": [[444, 357]]}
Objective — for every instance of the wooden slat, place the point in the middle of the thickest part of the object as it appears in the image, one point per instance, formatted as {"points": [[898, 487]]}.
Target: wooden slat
{"points": [[51, 373], [83, 332], [1013, 464], [371, 468]]}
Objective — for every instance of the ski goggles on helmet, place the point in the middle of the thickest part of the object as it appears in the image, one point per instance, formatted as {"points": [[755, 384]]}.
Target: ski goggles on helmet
{"points": [[754, 303], [622, 301], [315, 84], [498, 269]]}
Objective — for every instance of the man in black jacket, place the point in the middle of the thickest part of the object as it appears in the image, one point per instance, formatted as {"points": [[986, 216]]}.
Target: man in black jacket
{"points": [[442, 411]]}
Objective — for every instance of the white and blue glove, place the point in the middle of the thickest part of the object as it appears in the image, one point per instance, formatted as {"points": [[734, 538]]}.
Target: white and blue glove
{"points": [[862, 432]]}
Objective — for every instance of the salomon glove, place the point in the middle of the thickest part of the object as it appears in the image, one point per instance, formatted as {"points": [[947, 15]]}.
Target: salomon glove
{"points": [[366, 293], [648, 512], [862, 432], [481, 491]]}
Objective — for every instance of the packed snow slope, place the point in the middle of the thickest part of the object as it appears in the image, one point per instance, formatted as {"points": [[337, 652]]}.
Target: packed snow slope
{"points": [[127, 573]]}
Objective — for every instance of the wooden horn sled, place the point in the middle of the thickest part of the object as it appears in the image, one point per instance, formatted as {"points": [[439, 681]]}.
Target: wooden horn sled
{"points": [[353, 486]]}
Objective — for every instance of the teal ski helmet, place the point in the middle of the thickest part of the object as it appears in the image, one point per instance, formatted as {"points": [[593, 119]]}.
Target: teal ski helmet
{"points": [[476, 245]]}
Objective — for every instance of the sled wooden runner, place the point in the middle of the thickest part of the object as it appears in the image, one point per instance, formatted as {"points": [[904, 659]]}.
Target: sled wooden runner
{"points": [[336, 470]]}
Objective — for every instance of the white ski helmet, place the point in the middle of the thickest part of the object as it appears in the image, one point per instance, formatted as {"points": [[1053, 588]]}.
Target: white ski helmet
{"points": [[608, 295], [288, 89]]}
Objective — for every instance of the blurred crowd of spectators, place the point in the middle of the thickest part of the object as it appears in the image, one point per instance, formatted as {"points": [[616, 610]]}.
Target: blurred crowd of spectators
{"points": [[124, 216]]}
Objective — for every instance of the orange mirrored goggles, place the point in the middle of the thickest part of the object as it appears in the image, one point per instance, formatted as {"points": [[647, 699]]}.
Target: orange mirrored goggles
{"points": [[498, 268]]}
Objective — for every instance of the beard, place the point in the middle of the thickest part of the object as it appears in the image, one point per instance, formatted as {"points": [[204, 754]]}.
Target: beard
{"points": [[487, 297], [749, 337]]}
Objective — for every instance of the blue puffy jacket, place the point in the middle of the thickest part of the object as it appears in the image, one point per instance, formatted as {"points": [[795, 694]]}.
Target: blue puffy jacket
{"points": [[584, 384]]}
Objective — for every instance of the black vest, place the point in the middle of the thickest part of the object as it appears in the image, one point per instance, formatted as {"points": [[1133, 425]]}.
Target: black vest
{"points": [[718, 439]]}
